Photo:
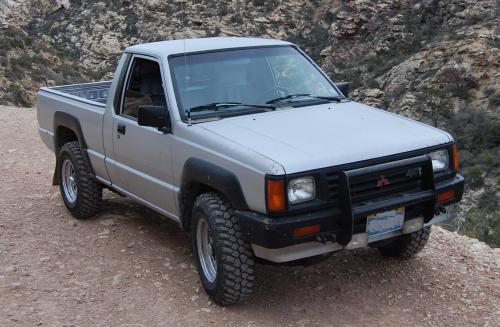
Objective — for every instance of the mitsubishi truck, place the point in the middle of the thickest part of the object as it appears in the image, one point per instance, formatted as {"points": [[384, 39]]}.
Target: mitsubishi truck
{"points": [[253, 150]]}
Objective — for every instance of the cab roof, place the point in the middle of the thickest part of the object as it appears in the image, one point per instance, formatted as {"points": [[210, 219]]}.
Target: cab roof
{"points": [[163, 49]]}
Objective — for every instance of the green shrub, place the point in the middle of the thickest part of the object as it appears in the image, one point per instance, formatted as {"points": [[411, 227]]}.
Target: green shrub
{"points": [[434, 106], [223, 9], [271, 5], [313, 42], [478, 139], [475, 130], [483, 222], [457, 81], [14, 72], [352, 76], [372, 83], [494, 98]]}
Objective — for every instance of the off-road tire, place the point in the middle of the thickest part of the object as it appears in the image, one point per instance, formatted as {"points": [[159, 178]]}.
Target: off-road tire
{"points": [[89, 194], [233, 254], [406, 246]]}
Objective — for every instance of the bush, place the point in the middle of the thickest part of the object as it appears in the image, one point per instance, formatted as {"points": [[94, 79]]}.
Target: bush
{"points": [[434, 105], [352, 76], [223, 9], [457, 81], [16, 95], [372, 83], [475, 130], [271, 5], [493, 97], [236, 19], [478, 138], [483, 222], [14, 72]]}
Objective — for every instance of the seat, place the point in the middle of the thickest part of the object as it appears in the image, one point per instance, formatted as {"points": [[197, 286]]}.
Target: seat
{"points": [[152, 85]]}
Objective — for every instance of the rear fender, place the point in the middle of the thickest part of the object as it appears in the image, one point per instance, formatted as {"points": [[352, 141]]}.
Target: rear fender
{"points": [[63, 119]]}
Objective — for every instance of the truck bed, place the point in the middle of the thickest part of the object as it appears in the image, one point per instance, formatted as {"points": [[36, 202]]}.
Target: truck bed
{"points": [[86, 103], [97, 92]]}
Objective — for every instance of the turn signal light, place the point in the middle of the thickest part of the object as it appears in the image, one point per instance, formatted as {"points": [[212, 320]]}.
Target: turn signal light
{"points": [[307, 230], [455, 157], [445, 196], [275, 195]]}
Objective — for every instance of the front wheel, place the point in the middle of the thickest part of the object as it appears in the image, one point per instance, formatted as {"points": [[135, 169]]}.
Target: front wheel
{"points": [[406, 246], [225, 260]]}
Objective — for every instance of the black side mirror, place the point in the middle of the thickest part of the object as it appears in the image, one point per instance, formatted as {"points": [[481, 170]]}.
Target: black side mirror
{"points": [[155, 116], [343, 87]]}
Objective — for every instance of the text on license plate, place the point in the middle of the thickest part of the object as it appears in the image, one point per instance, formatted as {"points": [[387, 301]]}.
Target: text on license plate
{"points": [[385, 222]]}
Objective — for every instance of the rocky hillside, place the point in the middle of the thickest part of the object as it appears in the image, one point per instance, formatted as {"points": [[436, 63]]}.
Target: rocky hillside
{"points": [[435, 61]]}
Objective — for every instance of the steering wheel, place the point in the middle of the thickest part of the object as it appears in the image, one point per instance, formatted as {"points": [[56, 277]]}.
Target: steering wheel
{"points": [[274, 92]]}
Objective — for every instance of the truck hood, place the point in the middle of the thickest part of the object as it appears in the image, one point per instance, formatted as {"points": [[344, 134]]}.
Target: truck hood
{"points": [[307, 138]]}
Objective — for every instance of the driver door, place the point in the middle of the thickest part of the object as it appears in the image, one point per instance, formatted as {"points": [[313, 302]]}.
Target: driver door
{"points": [[143, 155]]}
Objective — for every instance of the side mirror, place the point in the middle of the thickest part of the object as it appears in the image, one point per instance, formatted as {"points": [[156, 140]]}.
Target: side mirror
{"points": [[155, 116], [343, 87]]}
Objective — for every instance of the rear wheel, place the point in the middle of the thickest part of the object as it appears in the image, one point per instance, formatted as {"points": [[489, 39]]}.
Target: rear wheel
{"points": [[225, 260], [406, 246], [81, 192]]}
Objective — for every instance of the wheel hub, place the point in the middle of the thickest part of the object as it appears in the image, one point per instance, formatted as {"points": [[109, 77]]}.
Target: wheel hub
{"points": [[206, 250], [69, 180]]}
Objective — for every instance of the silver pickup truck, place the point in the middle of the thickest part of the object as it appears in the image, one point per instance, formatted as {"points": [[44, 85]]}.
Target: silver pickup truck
{"points": [[252, 149]]}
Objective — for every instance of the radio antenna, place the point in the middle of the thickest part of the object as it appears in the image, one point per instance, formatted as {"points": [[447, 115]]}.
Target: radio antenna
{"points": [[186, 78]]}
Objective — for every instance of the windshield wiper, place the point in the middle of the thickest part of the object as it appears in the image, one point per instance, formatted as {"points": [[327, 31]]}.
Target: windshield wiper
{"points": [[212, 106], [215, 106], [289, 96], [336, 98], [298, 95]]}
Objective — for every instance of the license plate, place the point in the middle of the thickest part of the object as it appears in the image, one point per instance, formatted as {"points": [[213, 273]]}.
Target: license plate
{"points": [[385, 222]]}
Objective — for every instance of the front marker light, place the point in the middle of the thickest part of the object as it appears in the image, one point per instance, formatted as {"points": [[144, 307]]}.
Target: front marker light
{"points": [[440, 160], [301, 190], [275, 195], [455, 157]]}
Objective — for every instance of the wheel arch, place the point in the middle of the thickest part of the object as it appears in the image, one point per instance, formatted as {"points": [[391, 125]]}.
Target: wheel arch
{"points": [[67, 128], [200, 176]]}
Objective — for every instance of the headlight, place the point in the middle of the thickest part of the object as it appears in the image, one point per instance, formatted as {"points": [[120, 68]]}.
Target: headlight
{"points": [[440, 160], [301, 189]]}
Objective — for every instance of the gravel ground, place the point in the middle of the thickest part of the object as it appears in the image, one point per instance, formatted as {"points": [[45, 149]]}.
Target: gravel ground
{"points": [[128, 267]]}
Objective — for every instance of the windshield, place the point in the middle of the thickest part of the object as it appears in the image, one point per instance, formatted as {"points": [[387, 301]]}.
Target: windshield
{"points": [[221, 82]]}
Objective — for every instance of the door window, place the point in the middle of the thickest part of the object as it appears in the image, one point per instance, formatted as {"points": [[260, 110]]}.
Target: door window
{"points": [[144, 87]]}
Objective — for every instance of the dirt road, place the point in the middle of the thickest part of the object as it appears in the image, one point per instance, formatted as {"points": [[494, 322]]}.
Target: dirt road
{"points": [[128, 267]]}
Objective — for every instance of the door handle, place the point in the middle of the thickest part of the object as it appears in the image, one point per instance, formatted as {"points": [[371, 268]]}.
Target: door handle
{"points": [[121, 128]]}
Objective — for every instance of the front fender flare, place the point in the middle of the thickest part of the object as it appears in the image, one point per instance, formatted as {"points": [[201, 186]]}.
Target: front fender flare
{"points": [[202, 172]]}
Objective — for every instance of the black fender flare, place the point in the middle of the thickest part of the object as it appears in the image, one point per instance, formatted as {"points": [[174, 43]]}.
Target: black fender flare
{"points": [[63, 119], [213, 176]]}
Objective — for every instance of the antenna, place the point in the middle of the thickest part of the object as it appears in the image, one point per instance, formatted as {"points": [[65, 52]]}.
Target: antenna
{"points": [[186, 78]]}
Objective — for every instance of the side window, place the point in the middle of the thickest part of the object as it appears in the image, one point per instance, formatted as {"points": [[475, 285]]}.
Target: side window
{"points": [[143, 87]]}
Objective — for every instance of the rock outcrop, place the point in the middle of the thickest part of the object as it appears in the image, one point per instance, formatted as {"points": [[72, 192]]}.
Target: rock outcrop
{"points": [[435, 61]]}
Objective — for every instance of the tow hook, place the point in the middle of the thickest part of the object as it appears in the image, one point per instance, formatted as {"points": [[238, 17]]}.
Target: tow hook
{"points": [[439, 210], [326, 237]]}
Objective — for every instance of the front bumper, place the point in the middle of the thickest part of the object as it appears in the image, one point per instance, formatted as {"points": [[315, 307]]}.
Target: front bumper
{"points": [[274, 233]]}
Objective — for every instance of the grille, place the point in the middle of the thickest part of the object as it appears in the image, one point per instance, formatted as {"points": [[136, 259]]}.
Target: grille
{"points": [[365, 188], [368, 188], [332, 180]]}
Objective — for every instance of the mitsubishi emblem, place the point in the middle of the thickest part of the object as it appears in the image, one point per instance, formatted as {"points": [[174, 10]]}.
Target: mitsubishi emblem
{"points": [[383, 181]]}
